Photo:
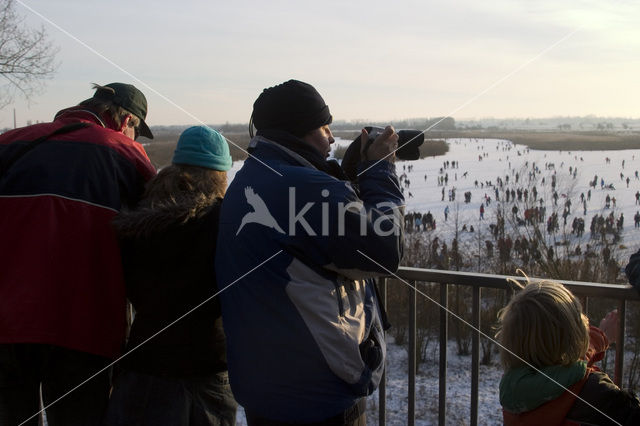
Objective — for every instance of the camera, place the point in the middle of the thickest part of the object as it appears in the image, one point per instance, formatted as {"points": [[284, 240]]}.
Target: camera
{"points": [[409, 142]]}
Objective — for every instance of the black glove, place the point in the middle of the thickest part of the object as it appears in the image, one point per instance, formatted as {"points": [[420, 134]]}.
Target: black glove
{"points": [[371, 352]]}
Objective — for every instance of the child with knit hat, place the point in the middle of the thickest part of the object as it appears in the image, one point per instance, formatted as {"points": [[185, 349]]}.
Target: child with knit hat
{"points": [[548, 352], [176, 371], [204, 147]]}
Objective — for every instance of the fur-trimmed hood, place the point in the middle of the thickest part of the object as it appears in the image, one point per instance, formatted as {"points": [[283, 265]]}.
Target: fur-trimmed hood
{"points": [[168, 251], [153, 218]]}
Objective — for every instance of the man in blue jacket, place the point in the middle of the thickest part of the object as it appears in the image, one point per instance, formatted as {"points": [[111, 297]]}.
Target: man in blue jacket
{"points": [[296, 247]]}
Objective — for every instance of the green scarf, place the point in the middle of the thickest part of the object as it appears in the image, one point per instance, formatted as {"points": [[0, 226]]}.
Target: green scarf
{"points": [[524, 389]]}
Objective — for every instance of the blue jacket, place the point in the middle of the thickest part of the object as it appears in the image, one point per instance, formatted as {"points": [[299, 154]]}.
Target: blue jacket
{"points": [[296, 323]]}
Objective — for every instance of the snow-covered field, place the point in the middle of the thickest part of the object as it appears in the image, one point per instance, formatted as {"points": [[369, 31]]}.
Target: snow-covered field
{"points": [[498, 159]]}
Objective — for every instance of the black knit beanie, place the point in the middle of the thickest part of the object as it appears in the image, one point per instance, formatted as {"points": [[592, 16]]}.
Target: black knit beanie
{"points": [[293, 106]]}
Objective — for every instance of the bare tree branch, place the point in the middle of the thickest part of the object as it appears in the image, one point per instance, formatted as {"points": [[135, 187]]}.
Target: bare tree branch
{"points": [[27, 57]]}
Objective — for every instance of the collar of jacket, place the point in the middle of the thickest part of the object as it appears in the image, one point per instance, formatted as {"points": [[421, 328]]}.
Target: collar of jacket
{"points": [[156, 218], [259, 141], [79, 113], [297, 150], [524, 389]]}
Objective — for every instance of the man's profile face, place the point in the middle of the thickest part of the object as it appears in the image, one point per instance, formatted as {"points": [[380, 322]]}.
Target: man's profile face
{"points": [[320, 139]]}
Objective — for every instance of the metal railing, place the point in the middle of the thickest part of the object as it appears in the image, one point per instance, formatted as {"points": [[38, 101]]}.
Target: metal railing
{"points": [[478, 281]]}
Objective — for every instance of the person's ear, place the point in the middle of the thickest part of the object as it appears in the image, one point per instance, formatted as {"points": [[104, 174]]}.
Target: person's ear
{"points": [[125, 123]]}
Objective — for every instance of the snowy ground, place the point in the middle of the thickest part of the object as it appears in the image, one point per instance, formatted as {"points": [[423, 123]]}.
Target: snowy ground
{"points": [[458, 390], [499, 159]]}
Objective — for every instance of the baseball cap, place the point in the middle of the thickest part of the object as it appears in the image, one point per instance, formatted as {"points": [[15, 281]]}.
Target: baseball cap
{"points": [[128, 97]]}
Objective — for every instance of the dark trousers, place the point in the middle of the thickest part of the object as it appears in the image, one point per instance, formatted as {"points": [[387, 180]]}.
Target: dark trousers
{"points": [[354, 416], [145, 400], [31, 371]]}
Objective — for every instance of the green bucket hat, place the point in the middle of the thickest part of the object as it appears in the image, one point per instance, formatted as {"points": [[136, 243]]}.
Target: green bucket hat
{"points": [[128, 97]]}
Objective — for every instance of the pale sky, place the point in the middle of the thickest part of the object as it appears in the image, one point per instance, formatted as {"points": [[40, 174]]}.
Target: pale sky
{"points": [[207, 61]]}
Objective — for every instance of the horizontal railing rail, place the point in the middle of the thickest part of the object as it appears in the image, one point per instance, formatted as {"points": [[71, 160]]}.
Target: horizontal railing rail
{"points": [[478, 281]]}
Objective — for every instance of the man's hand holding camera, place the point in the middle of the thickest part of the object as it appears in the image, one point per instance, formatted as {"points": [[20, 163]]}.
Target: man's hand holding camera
{"points": [[376, 144], [383, 146]]}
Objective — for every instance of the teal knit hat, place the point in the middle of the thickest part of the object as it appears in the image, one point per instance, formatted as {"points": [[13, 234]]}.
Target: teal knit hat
{"points": [[203, 146]]}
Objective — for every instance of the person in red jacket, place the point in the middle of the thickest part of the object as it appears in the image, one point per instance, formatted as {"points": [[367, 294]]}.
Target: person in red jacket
{"points": [[62, 293], [548, 351]]}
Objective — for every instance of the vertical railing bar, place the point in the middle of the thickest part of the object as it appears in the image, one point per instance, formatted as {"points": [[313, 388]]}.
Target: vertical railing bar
{"points": [[621, 332], [411, 411], [382, 389], [585, 304], [442, 373], [475, 354]]}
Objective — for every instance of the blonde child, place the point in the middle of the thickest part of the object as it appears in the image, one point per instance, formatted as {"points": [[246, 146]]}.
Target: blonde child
{"points": [[548, 351]]}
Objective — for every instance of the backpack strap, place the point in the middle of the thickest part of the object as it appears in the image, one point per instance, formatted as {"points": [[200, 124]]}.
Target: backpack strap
{"points": [[5, 164]]}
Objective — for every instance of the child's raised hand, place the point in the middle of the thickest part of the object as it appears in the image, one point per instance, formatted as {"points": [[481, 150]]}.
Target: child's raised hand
{"points": [[610, 324]]}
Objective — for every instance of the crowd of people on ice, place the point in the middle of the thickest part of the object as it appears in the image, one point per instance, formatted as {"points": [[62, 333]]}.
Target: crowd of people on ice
{"points": [[520, 192]]}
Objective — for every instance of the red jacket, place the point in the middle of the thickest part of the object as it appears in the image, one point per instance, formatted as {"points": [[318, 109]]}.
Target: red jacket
{"points": [[61, 278]]}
